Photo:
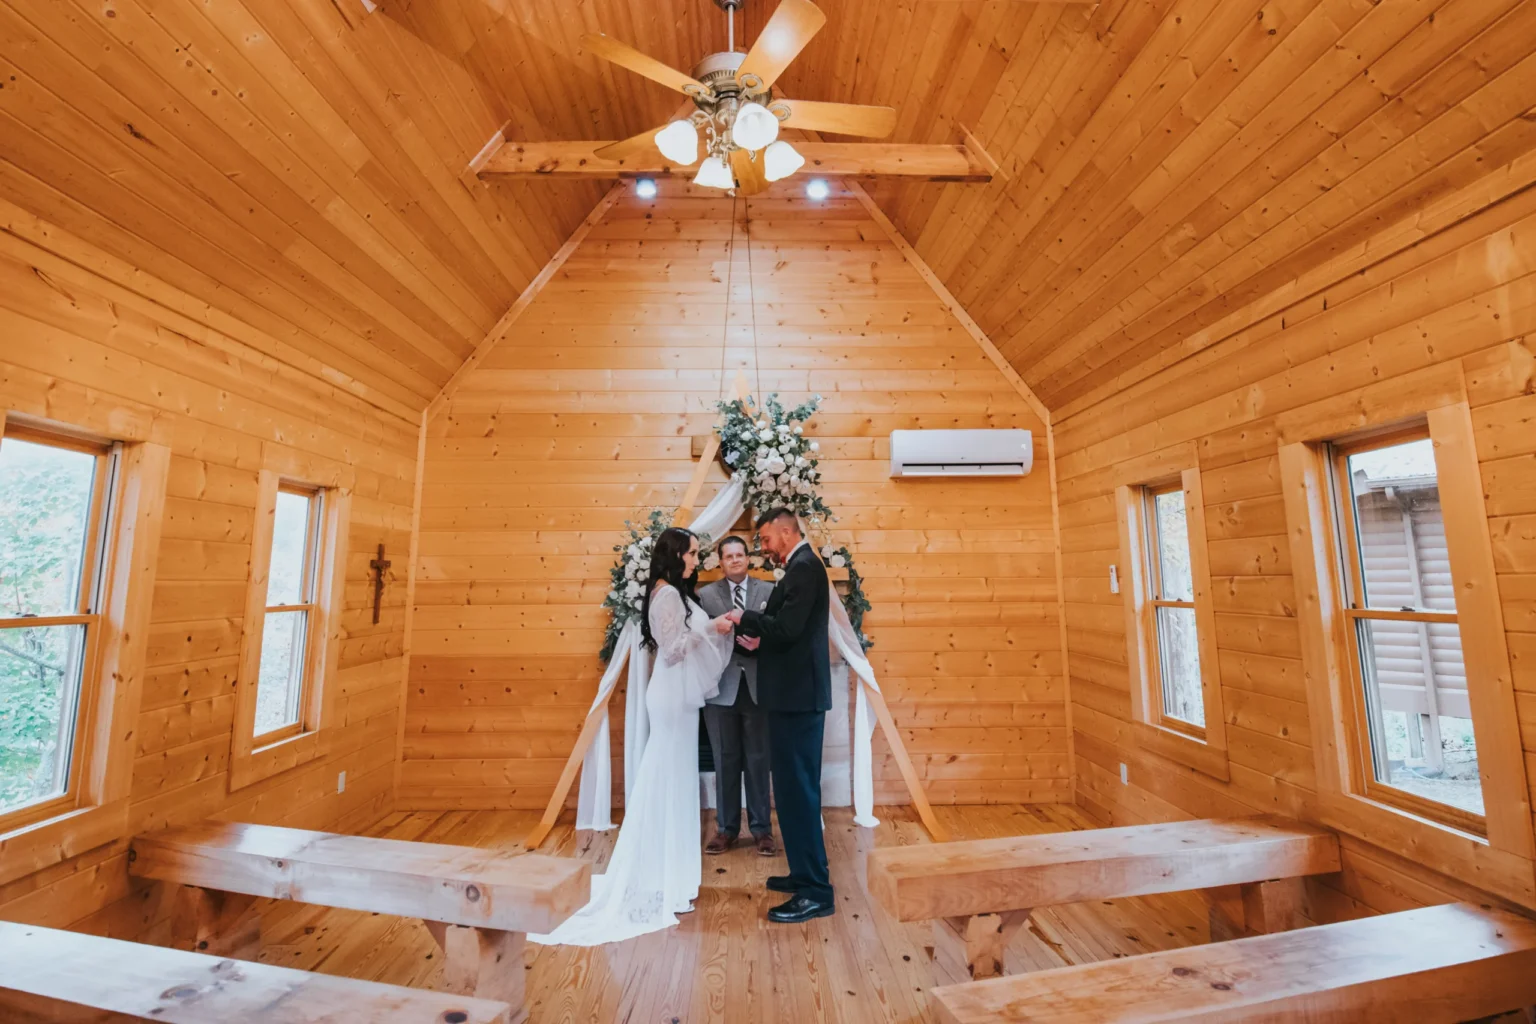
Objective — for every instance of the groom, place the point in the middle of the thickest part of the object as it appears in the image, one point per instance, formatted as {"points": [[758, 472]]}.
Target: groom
{"points": [[794, 685]]}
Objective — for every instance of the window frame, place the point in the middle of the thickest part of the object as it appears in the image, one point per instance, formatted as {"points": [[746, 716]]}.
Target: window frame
{"points": [[1154, 583], [131, 511], [254, 758], [1204, 750], [86, 613], [309, 574], [1355, 608], [1500, 861]]}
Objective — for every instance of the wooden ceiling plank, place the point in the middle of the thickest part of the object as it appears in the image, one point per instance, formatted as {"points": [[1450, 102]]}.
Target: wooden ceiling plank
{"points": [[1266, 105], [1466, 165], [367, 217], [1435, 97], [154, 160], [1249, 184], [157, 232], [1479, 209], [369, 224], [345, 79]]}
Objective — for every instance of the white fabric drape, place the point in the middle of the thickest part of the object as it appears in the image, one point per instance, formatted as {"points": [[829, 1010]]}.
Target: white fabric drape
{"points": [[594, 804]]}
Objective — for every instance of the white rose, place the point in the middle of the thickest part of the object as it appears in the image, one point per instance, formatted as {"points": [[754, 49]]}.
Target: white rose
{"points": [[633, 551], [801, 460], [799, 429], [747, 435], [645, 542], [761, 424], [712, 561], [826, 551], [756, 561], [838, 561], [815, 446], [731, 457], [776, 465], [778, 574], [638, 603], [783, 428], [633, 589], [766, 435]]}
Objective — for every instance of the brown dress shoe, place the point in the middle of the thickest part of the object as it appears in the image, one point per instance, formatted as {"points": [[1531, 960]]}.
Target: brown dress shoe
{"points": [[765, 846], [719, 843]]}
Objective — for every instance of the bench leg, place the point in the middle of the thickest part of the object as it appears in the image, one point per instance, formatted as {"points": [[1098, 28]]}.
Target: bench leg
{"points": [[1274, 906], [214, 922], [985, 937], [482, 962]]}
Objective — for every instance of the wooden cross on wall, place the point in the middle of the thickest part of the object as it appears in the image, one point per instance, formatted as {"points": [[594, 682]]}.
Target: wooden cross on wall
{"points": [[378, 565]]}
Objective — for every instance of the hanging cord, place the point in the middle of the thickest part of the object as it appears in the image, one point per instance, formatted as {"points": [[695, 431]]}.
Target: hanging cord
{"points": [[725, 330], [757, 362]]}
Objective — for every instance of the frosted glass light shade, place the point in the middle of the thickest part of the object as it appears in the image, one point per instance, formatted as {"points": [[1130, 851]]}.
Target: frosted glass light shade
{"points": [[755, 127], [817, 189], [679, 142], [714, 174], [781, 160]]}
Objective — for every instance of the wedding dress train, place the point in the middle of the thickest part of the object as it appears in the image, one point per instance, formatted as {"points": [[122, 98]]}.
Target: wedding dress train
{"points": [[657, 860]]}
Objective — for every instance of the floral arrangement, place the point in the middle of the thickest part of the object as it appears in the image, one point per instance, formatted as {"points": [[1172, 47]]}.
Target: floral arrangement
{"points": [[777, 463], [778, 466]]}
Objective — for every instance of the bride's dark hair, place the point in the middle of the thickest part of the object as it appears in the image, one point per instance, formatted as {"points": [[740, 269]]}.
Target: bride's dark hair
{"points": [[667, 564]]}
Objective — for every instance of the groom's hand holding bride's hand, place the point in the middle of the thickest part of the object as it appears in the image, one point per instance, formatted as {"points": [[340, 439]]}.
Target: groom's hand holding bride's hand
{"points": [[724, 624], [734, 615]]}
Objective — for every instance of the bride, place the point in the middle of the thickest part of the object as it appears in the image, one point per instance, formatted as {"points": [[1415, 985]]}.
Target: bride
{"points": [[657, 863]]}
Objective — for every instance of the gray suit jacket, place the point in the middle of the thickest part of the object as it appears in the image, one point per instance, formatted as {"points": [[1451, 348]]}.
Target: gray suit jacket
{"points": [[715, 598]]}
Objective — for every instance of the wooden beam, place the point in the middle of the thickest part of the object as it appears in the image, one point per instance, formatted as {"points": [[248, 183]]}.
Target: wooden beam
{"points": [[471, 174], [955, 163], [523, 301]]}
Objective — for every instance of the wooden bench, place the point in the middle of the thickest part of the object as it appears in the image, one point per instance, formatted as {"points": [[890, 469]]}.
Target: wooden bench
{"points": [[982, 891], [478, 904], [52, 975], [1438, 965]]}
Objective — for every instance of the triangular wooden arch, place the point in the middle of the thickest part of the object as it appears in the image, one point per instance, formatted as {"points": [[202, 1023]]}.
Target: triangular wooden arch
{"points": [[595, 716]]}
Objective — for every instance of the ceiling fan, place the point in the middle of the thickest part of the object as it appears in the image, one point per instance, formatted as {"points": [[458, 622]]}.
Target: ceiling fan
{"points": [[735, 109]]}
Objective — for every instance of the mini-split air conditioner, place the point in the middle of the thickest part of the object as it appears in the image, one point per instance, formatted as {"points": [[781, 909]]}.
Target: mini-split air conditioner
{"points": [[961, 453]]}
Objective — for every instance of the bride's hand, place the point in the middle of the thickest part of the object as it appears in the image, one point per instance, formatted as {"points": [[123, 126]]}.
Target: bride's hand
{"points": [[723, 624]]}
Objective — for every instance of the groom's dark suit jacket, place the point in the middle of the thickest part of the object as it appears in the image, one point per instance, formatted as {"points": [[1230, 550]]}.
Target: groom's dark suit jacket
{"points": [[794, 668]]}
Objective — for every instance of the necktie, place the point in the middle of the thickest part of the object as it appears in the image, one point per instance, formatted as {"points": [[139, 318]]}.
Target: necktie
{"points": [[738, 598]]}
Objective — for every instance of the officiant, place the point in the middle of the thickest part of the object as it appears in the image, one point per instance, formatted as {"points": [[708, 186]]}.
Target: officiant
{"points": [[738, 730]]}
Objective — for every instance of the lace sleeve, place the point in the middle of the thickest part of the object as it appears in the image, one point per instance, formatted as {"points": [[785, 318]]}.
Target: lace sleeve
{"points": [[669, 626]]}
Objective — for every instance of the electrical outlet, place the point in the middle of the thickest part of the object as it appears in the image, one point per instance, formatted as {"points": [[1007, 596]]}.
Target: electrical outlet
{"points": [[341, 781], [1114, 580], [1125, 774]]}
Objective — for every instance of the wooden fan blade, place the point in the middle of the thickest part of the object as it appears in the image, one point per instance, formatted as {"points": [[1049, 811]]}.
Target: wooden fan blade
{"points": [[791, 28], [627, 56], [749, 173], [841, 118], [632, 146]]}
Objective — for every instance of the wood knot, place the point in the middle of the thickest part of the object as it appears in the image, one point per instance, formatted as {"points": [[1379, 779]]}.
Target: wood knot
{"points": [[472, 893], [453, 1017], [1182, 972]]}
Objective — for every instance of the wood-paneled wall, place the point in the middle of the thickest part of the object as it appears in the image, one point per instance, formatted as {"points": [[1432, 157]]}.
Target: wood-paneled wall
{"points": [[78, 349], [1451, 284], [583, 415]]}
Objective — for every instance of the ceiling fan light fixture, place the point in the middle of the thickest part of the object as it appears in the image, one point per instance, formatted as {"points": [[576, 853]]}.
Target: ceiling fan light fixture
{"points": [[714, 174], [755, 127], [781, 160], [818, 189], [679, 142]]}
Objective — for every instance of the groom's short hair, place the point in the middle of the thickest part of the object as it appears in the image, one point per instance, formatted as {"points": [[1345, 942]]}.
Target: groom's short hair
{"points": [[733, 539], [773, 515]]}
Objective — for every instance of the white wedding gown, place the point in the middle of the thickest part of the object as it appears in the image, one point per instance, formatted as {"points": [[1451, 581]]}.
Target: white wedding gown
{"points": [[657, 860]]}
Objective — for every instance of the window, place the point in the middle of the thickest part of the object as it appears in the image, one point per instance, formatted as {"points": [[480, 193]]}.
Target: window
{"points": [[1171, 600], [286, 666], [289, 642], [1164, 579], [1413, 715], [53, 498]]}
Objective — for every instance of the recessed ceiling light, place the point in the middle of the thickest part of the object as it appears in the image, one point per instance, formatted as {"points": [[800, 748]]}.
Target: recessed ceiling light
{"points": [[645, 188], [817, 189]]}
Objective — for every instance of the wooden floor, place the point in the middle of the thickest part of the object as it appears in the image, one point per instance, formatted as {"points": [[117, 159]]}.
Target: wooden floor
{"points": [[725, 962]]}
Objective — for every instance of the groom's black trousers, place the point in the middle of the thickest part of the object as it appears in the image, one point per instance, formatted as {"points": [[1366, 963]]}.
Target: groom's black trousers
{"points": [[795, 744]]}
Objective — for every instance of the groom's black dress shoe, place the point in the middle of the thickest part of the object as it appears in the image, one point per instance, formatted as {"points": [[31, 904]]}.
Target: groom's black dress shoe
{"points": [[801, 909], [783, 883]]}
